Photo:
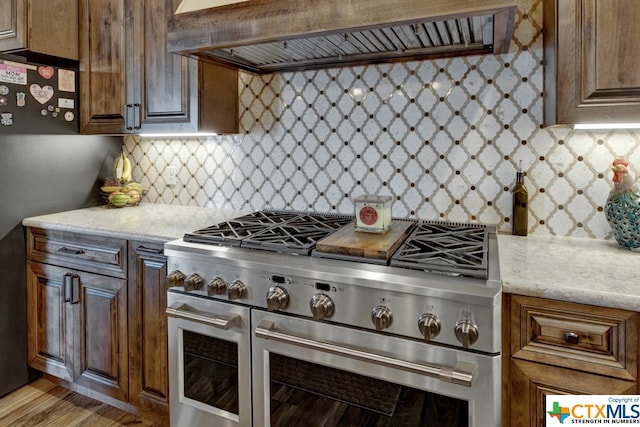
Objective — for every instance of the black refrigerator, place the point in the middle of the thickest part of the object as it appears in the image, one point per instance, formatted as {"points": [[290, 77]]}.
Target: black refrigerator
{"points": [[37, 98], [45, 167]]}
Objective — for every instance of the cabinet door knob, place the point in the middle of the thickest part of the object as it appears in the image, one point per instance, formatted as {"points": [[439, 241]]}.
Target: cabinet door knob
{"points": [[571, 338]]}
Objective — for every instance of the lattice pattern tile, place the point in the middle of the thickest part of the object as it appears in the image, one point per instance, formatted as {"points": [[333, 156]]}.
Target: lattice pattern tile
{"points": [[443, 137]]}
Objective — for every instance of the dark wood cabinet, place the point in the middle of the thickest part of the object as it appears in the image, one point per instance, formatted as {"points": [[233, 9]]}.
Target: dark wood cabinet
{"points": [[41, 27], [103, 87], [129, 83], [590, 62], [50, 322], [77, 323], [149, 385], [96, 317], [552, 347]]}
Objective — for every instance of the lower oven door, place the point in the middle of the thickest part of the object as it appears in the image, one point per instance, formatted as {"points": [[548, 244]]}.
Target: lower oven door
{"points": [[209, 362], [317, 374]]}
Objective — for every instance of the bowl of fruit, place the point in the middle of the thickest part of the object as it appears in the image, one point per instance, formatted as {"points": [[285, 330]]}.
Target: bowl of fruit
{"points": [[119, 191], [119, 196]]}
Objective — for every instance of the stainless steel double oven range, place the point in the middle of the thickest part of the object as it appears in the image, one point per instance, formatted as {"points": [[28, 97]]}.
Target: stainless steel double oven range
{"points": [[265, 330]]}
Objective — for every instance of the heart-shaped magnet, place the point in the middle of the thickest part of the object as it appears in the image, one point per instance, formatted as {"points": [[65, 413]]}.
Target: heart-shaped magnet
{"points": [[41, 94], [46, 72]]}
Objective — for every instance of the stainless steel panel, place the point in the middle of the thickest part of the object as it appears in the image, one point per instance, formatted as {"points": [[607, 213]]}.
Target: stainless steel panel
{"points": [[484, 396], [399, 40], [183, 410]]}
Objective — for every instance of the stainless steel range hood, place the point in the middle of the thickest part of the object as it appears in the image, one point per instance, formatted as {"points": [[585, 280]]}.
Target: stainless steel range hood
{"points": [[266, 36]]}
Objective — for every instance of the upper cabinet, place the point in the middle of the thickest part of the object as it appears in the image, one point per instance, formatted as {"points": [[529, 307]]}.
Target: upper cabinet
{"points": [[129, 83], [591, 61], [40, 27]]}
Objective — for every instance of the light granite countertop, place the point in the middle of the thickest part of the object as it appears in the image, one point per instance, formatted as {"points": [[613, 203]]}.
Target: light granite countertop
{"points": [[588, 271], [146, 221]]}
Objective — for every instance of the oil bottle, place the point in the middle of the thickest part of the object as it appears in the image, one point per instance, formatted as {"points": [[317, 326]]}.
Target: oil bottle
{"points": [[520, 209]]}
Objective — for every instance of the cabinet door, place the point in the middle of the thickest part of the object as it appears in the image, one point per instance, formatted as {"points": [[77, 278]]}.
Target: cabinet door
{"points": [[148, 328], [12, 25], [162, 86], [50, 328], [530, 383], [590, 66], [77, 327], [103, 44], [129, 83], [35, 26], [100, 315]]}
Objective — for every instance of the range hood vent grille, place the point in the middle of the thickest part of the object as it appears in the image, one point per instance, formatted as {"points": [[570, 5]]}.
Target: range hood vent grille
{"points": [[209, 34]]}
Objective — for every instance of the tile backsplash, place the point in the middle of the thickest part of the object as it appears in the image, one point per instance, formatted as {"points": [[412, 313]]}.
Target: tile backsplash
{"points": [[443, 137]]}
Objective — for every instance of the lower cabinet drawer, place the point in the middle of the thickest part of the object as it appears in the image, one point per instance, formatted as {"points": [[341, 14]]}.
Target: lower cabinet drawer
{"points": [[94, 254], [592, 339]]}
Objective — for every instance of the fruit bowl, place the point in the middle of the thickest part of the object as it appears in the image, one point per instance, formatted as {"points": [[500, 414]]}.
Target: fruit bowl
{"points": [[129, 194]]}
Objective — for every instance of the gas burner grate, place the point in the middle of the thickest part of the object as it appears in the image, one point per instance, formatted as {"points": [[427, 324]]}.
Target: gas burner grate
{"points": [[231, 233], [277, 231], [298, 235], [447, 248]]}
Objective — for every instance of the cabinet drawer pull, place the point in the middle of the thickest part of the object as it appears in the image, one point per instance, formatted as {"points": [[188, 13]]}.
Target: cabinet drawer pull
{"points": [[571, 338], [66, 250]]}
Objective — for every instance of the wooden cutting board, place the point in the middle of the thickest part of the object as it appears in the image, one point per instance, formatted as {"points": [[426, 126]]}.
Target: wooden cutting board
{"points": [[348, 241]]}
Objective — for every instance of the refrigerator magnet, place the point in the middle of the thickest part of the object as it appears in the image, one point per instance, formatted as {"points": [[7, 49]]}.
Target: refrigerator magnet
{"points": [[41, 94], [69, 116], [66, 80], [4, 90], [46, 72], [6, 119], [20, 99], [65, 103], [14, 74], [3, 101]]}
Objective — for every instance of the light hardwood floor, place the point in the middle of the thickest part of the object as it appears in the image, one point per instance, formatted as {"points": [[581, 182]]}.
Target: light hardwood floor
{"points": [[43, 403]]}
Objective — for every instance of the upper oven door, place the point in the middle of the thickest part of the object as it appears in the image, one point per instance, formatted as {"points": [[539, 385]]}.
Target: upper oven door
{"points": [[320, 374], [209, 362]]}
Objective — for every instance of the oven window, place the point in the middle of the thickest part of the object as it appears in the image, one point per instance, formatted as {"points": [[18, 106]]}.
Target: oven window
{"points": [[211, 371], [304, 393]]}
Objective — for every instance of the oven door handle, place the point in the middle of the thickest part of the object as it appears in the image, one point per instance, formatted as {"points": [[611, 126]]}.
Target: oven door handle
{"points": [[184, 311], [463, 373]]}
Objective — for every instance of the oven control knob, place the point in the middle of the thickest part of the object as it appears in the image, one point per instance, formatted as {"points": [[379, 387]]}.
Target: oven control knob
{"points": [[321, 307], [429, 325], [216, 286], [466, 332], [381, 317], [277, 298], [192, 282], [175, 278], [237, 290]]}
